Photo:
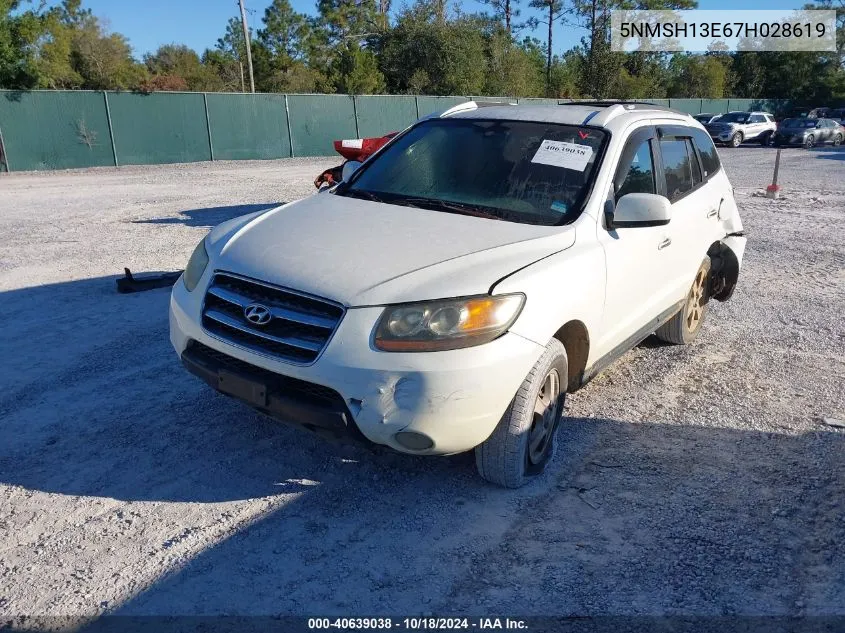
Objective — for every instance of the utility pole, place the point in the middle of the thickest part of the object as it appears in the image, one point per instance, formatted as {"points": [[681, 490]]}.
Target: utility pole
{"points": [[248, 46]]}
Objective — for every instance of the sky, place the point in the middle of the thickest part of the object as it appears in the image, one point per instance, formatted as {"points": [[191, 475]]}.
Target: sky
{"points": [[199, 23]]}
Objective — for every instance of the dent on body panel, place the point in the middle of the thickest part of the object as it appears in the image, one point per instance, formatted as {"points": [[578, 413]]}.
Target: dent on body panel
{"points": [[399, 398]]}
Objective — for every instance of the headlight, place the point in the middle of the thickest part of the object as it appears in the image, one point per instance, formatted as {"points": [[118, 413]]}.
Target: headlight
{"points": [[196, 266], [444, 324]]}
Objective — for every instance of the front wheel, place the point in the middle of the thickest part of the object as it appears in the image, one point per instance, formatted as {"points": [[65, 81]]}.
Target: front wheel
{"points": [[524, 440], [736, 139], [810, 142], [837, 140]]}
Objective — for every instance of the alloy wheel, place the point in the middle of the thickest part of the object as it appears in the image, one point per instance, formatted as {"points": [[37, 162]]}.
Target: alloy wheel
{"points": [[695, 301], [545, 417]]}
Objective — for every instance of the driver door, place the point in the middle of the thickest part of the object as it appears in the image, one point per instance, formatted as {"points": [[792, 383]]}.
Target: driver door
{"points": [[636, 258]]}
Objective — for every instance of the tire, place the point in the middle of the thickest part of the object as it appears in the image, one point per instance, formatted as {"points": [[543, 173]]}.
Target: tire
{"points": [[766, 139], [523, 442], [837, 140], [736, 140], [810, 142], [682, 328]]}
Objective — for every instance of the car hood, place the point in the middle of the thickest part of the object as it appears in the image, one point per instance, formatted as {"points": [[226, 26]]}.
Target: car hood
{"points": [[359, 252]]}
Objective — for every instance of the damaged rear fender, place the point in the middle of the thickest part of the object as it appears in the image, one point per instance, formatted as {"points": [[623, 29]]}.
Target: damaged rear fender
{"points": [[725, 262]]}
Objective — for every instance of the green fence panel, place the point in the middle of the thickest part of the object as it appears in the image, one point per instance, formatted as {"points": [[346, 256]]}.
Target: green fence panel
{"points": [[159, 128], [779, 107], [715, 106], [742, 105], [245, 126], [429, 105], [690, 106], [537, 101], [318, 120], [502, 100], [54, 130], [658, 102], [379, 115]]}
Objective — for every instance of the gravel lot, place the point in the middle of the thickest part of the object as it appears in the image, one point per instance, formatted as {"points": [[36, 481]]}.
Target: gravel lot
{"points": [[699, 480]]}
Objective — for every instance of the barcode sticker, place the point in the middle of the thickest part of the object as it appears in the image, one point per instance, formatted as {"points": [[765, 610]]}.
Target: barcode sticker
{"points": [[563, 154]]}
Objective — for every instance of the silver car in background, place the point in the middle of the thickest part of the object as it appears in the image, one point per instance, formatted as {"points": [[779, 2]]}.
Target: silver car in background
{"points": [[809, 132], [734, 128]]}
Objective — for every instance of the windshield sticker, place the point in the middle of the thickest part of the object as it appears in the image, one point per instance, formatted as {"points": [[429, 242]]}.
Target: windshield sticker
{"points": [[583, 135], [563, 154], [560, 207], [353, 143]]}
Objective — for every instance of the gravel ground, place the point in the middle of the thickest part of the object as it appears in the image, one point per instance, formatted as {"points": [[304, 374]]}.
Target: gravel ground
{"points": [[698, 480]]}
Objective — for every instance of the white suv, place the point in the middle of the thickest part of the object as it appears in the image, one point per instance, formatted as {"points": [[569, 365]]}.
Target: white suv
{"points": [[734, 128], [450, 292]]}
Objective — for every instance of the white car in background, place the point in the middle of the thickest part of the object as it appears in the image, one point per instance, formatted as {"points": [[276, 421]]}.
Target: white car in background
{"points": [[452, 289], [735, 128]]}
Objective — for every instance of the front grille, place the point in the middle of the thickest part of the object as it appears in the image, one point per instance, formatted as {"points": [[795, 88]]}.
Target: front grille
{"points": [[299, 328]]}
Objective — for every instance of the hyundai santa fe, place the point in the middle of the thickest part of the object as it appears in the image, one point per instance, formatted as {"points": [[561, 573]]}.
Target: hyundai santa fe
{"points": [[453, 288]]}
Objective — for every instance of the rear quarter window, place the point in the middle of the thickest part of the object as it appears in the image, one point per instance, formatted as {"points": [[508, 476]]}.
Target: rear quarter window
{"points": [[709, 157]]}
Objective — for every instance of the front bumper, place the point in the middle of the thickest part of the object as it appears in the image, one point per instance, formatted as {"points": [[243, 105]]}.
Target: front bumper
{"points": [[722, 136], [456, 397]]}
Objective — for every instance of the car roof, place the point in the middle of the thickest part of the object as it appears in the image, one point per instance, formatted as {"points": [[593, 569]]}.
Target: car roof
{"points": [[595, 113]]}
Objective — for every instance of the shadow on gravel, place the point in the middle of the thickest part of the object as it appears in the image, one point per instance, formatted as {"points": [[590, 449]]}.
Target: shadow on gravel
{"points": [[212, 216], [632, 518], [830, 153], [635, 518]]}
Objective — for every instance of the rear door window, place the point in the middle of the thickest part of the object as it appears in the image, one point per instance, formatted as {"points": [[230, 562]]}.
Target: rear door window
{"points": [[678, 162], [709, 157]]}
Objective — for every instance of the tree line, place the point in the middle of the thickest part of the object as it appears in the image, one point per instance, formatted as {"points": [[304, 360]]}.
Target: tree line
{"points": [[428, 47]]}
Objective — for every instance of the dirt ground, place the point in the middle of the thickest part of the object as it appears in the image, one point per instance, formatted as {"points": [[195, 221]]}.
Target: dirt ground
{"points": [[699, 480]]}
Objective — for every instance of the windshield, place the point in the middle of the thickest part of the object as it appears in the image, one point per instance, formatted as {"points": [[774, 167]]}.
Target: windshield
{"points": [[519, 171], [703, 118], [734, 117], [798, 123]]}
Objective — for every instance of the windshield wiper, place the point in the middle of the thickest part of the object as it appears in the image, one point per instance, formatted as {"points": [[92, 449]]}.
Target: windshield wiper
{"points": [[363, 194], [444, 205]]}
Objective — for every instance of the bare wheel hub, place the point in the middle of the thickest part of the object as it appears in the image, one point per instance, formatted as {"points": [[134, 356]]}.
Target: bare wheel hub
{"points": [[546, 410]]}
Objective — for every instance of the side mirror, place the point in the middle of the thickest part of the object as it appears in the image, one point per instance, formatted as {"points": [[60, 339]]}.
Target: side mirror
{"points": [[640, 209], [349, 168]]}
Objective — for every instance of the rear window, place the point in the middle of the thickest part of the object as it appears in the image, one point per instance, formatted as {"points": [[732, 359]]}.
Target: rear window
{"points": [[518, 171], [709, 157]]}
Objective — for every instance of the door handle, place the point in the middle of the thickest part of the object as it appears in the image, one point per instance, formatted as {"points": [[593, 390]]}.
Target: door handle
{"points": [[712, 213], [666, 241]]}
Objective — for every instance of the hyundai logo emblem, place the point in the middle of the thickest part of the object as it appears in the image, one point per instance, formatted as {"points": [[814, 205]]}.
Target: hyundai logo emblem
{"points": [[257, 314]]}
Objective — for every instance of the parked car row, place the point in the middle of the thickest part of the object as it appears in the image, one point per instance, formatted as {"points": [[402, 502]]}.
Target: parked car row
{"points": [[813, 127]]}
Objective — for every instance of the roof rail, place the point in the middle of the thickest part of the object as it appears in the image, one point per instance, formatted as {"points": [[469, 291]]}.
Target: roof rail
{"points": [[612, 109], [466, 106]]}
